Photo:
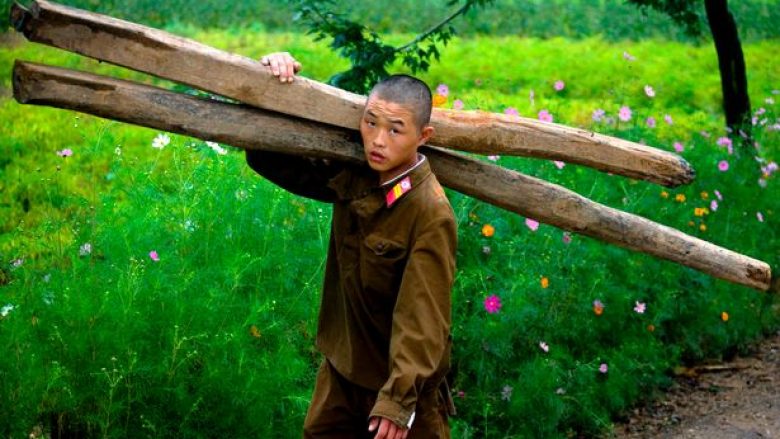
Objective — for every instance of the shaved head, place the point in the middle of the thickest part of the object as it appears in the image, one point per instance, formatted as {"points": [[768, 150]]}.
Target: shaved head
{"points": [[408, 92]]}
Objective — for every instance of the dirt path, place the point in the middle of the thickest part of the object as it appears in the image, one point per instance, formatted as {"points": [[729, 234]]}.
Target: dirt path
{"points": [[738, 399]]}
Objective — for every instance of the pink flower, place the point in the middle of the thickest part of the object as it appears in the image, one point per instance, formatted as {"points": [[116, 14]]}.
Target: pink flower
{"points": [[649, 91], [640, 307], [603, 368], [598, 115], [544, 346], [723, 166], [532, 224], [67, 152], [723, 141], [760, 217], [154, 256], [650, 121], [512, 111], [559, 164], [717, 194], [545, 116], [627, 56], [443, 90], [457, 105], [492, 304], [625, 113], [678, 147], [493, 158], [559, 85], [566, 237], [668, 119], [713, 205]]}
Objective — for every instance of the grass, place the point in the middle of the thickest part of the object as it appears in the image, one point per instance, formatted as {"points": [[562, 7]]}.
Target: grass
{"points": [[216, 338]]}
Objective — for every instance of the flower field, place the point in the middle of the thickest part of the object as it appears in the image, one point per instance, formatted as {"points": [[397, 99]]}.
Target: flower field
{"points": [[153, 286]]}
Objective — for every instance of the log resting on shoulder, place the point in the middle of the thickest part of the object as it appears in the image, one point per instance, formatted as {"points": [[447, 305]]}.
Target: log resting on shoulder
{"points": [[250, 128], [186, 61]]}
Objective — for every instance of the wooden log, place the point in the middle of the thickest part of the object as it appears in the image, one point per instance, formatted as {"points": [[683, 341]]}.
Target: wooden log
{"points": [[251, 128], [186, 61]]}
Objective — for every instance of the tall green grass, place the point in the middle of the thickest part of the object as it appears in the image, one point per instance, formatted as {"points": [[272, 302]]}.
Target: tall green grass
{"points": [[215, 338]]}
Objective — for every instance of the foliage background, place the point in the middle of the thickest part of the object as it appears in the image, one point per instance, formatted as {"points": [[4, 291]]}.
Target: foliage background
{"points": [[215, 338]]}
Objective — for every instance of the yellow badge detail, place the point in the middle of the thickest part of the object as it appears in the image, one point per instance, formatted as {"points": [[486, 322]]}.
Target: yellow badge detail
{"points": [[398, 191]]}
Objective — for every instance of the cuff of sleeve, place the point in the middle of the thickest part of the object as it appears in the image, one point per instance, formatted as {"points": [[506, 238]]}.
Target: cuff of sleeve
{"points": [[393, 411]]}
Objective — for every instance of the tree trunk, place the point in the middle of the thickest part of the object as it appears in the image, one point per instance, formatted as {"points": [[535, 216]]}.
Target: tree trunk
{"points": [[252, 128], [182, 60], [731, 62]]}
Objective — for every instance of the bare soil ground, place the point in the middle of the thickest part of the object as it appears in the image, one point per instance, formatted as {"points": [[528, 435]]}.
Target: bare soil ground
{"points": [[738, 399]]}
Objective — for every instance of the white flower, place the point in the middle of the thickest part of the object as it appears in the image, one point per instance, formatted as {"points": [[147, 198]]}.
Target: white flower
{"points": [[544, 346], [640, 307], [6, 309], [216, 148], [161, 141], [85, 249], [649, 91]]}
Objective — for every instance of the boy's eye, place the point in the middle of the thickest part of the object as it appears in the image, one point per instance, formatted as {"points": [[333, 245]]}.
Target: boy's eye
{"points": [[370, 123]]}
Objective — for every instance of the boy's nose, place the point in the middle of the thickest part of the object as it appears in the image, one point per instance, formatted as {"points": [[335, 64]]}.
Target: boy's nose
{"points": [[379, 140]]}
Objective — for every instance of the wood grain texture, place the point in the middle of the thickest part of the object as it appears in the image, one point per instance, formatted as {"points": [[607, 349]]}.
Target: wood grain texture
{"points": [[251, 128], [237, 77]]}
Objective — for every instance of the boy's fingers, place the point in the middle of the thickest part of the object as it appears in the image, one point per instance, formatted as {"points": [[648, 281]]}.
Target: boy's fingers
{"points": [[372, 424], [383, 429]]}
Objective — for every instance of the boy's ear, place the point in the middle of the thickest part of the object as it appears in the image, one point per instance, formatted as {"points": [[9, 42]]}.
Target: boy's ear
{"points": [[427, 132]]}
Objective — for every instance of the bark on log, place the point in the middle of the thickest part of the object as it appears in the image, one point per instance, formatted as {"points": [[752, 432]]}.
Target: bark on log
{"points": [[252, 128], [182, 60]]}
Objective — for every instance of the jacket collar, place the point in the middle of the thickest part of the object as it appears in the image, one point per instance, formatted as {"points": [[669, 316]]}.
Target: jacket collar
{"points": [[361, 187]]}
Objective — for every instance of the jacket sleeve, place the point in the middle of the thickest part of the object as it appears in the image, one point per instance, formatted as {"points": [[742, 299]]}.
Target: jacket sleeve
{"points": [[420, 338], [307, 177]]}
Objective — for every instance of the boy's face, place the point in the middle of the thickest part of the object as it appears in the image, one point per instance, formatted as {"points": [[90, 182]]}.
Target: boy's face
{"points": [[391, 137]]}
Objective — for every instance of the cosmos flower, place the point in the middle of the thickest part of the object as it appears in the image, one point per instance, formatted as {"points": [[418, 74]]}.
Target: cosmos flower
{"points": [[457, 105], [154, 256], [492, 304], [640, 307], [532, 224], [625, 113], [161, 141], [488, 230], [545, 116], [723, 166], [559, 85], [598, 307], [603, 368], [443, 90], [649, 91], [598, 115]]}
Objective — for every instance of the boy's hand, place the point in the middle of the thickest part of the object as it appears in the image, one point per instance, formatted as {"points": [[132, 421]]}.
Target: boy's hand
{"points": [[386, 429], [281, 65]]}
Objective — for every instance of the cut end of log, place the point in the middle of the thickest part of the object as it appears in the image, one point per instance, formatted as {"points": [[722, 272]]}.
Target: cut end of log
{"points": [[19, 16], [20, 73], [687, 175]]}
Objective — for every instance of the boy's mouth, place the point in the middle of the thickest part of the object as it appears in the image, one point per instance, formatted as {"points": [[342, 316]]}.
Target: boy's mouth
{"points": [[376, 157]]}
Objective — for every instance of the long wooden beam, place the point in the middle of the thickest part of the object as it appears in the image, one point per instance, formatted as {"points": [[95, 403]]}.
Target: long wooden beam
{"points": [[186, 61], [252, 128]]}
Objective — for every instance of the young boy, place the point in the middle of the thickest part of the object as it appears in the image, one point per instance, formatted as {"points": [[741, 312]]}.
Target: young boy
{"points": [[384, 323]]}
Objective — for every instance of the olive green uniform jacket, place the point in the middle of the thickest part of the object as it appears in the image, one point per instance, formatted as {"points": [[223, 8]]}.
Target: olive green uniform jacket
{"points": [[385, 316]]}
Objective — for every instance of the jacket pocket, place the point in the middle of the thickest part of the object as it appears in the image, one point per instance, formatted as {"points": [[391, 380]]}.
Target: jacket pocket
{"points": [[382, 264]]}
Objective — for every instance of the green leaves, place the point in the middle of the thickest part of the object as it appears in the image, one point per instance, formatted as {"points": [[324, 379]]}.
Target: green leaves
{"points": [[368, 55]]}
